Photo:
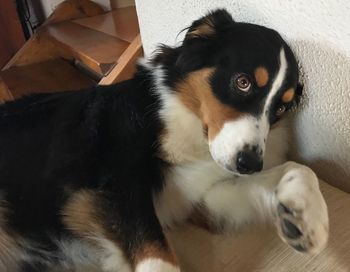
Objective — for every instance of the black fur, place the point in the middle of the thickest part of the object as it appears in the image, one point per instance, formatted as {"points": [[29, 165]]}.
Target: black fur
{"points": [[104, 139]]}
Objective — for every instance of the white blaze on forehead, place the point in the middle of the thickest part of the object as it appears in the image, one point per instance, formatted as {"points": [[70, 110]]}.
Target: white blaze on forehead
{"points": [[276, 85], [278, 81]]}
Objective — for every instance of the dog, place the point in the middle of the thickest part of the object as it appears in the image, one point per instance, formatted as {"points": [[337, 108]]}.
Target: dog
{"points": [[92, 179]]}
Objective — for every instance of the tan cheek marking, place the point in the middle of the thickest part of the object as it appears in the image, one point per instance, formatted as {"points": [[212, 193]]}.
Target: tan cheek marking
{"points": [[288, 95], [196, 94], [261, 76], [155, 250]]}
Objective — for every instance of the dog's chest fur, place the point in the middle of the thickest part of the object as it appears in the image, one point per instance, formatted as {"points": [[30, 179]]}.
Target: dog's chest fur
{"points": [[186, 183]]}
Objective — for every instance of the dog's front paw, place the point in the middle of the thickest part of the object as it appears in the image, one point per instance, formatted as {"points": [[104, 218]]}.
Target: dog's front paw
{"points": [[302, 217]]}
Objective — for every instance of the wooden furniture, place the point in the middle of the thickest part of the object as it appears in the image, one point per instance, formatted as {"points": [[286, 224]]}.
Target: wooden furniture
{"points": [[78, 46]]}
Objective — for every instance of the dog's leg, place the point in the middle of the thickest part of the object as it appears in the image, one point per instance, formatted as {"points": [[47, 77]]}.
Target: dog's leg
{"points": [[127, 239], [288, 194]]}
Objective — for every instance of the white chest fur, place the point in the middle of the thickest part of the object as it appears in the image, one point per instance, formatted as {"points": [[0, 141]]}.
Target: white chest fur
{"points": [[188, 182]]}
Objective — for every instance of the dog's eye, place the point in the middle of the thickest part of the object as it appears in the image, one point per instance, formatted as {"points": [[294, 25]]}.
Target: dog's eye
{"points": [[280, 110], [243, 83]]}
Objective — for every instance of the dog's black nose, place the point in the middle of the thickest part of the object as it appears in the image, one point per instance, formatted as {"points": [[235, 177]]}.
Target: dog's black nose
{"points": [[249, 162]]}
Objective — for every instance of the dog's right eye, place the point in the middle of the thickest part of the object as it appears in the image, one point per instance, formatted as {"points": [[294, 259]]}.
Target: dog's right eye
{"points": [[243, 83], [280, 110]]}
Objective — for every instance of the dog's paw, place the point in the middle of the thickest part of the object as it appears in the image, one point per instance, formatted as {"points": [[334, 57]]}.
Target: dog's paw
{"points": [[302, 216]]}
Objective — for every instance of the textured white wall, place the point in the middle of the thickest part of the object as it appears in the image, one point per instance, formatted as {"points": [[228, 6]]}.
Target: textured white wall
{"points": [[319, 33]]}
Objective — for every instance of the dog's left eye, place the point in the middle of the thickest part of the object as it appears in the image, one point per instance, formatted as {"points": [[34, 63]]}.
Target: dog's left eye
{"points": [[243, 83], [280, 110]]}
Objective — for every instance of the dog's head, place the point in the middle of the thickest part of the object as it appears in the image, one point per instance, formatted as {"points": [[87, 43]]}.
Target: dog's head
{"points": [[239, 79]]}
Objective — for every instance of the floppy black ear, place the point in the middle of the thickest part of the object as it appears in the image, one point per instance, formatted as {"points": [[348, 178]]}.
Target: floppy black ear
{"points": [[209, 25]]}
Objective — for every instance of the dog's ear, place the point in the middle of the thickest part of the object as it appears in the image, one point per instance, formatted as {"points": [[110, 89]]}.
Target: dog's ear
{"points": [[209, 25]]}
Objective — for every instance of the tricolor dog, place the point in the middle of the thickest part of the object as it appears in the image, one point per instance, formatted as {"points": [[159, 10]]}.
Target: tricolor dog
{"points": [[91, 179]]}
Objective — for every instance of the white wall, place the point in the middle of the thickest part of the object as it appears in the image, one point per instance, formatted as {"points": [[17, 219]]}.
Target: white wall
{"points": [[319, 33]]}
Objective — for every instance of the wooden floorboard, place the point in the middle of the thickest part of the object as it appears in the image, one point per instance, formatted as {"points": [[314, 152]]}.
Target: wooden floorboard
{"points": [[97, 50], [121, 23]]}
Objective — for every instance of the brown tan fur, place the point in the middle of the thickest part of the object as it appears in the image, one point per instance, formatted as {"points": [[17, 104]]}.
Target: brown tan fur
{"points": [[80, 214], [155, 251], [205, 29], [261, 76], [202, 30], [83, 215], [196, 94], [288, 95]]}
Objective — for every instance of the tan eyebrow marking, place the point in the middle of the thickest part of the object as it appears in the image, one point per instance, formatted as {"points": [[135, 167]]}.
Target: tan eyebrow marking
{"points": [[288, 95], [261, 76], [201, 30]]}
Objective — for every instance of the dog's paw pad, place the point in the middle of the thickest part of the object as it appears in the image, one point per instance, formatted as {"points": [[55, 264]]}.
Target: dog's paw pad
{"points": [[302, 217], [290, 230]]}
